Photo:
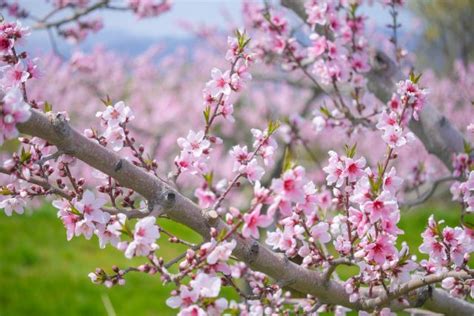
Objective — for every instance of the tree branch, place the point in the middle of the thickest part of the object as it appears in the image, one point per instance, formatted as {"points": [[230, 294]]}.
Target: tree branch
{"points": [[438, 135], [426, 195], [55, 129]]}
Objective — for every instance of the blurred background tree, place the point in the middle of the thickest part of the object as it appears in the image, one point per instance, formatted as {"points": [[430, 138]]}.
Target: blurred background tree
{"points": [[448, 32]]}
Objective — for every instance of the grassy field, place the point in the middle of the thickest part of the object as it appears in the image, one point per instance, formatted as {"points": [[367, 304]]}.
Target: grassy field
{"points": [[43, 274]]}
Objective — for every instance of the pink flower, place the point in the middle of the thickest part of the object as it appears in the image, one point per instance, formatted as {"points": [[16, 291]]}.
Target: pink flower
{"points": [[68, 218], [359, 220], [391, 182], [220, 82], [310, 199], [186, 297], [394, 137], [320, 232], [412, 96], [227, 109], [117, 114], [221, 252], [386, 121], [381, 250], [261, 194], [253, 221], [206, 285], [90, 207], [84, 227], [432, 245], [291, 186], [318, 45], [6, 44], [149, 8], [13, 111], [14, 75], [316, 11], [13, 204], [144, 237], [111, 232], [115, 137], [353, 169], [192, 310], [240, 155], [252, 171], [334, 170], [194, 143], [380, 208], [360, 62], [448, 283], [206, 198]]}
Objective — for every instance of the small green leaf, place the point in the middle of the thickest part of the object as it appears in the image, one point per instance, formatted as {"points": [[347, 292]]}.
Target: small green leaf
{"points": [[209, 177], [350, 151], [48, 107], [5, 191], [414, 78], [222, 234], [242, 39], [467, 147], [273, 126], [324, 110], [107, 101], [207, 114], [288, 162], [24, 156], [74, 210]]}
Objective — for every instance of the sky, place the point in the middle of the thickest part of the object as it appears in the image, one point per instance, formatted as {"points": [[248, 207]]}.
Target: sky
{"points": [[124, 30]]}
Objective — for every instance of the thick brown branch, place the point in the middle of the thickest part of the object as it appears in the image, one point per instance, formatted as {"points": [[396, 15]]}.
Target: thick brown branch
{"points": [[384, 299], [55, 129], [438, 135]]}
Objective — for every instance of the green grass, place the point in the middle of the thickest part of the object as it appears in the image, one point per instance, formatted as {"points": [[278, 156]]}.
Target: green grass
{"points": [[43, 274]]}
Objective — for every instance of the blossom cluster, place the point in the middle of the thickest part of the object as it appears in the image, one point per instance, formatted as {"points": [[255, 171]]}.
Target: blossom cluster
{"points": [[16, 69], [149, 8], [344, 57], [445, 246], [195, 149], [86, 216], [402, 106], [114, 119], [349, 219]]}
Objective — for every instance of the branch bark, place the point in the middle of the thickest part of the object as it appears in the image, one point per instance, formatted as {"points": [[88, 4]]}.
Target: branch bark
{"points": [[55, 129], [435, 131]]}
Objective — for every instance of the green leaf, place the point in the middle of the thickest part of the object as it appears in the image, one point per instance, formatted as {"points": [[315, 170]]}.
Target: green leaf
{"points": [[467, 147], [5, 191], [126, 228], [273, 126], [207, 114], [48, 107], [414, 78], [288, 162], [107, 101], [209, 177], [324, 110], [24, 156], [242, 39], [374, 187], [350, 151], [222, 234], [74, 210]]}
